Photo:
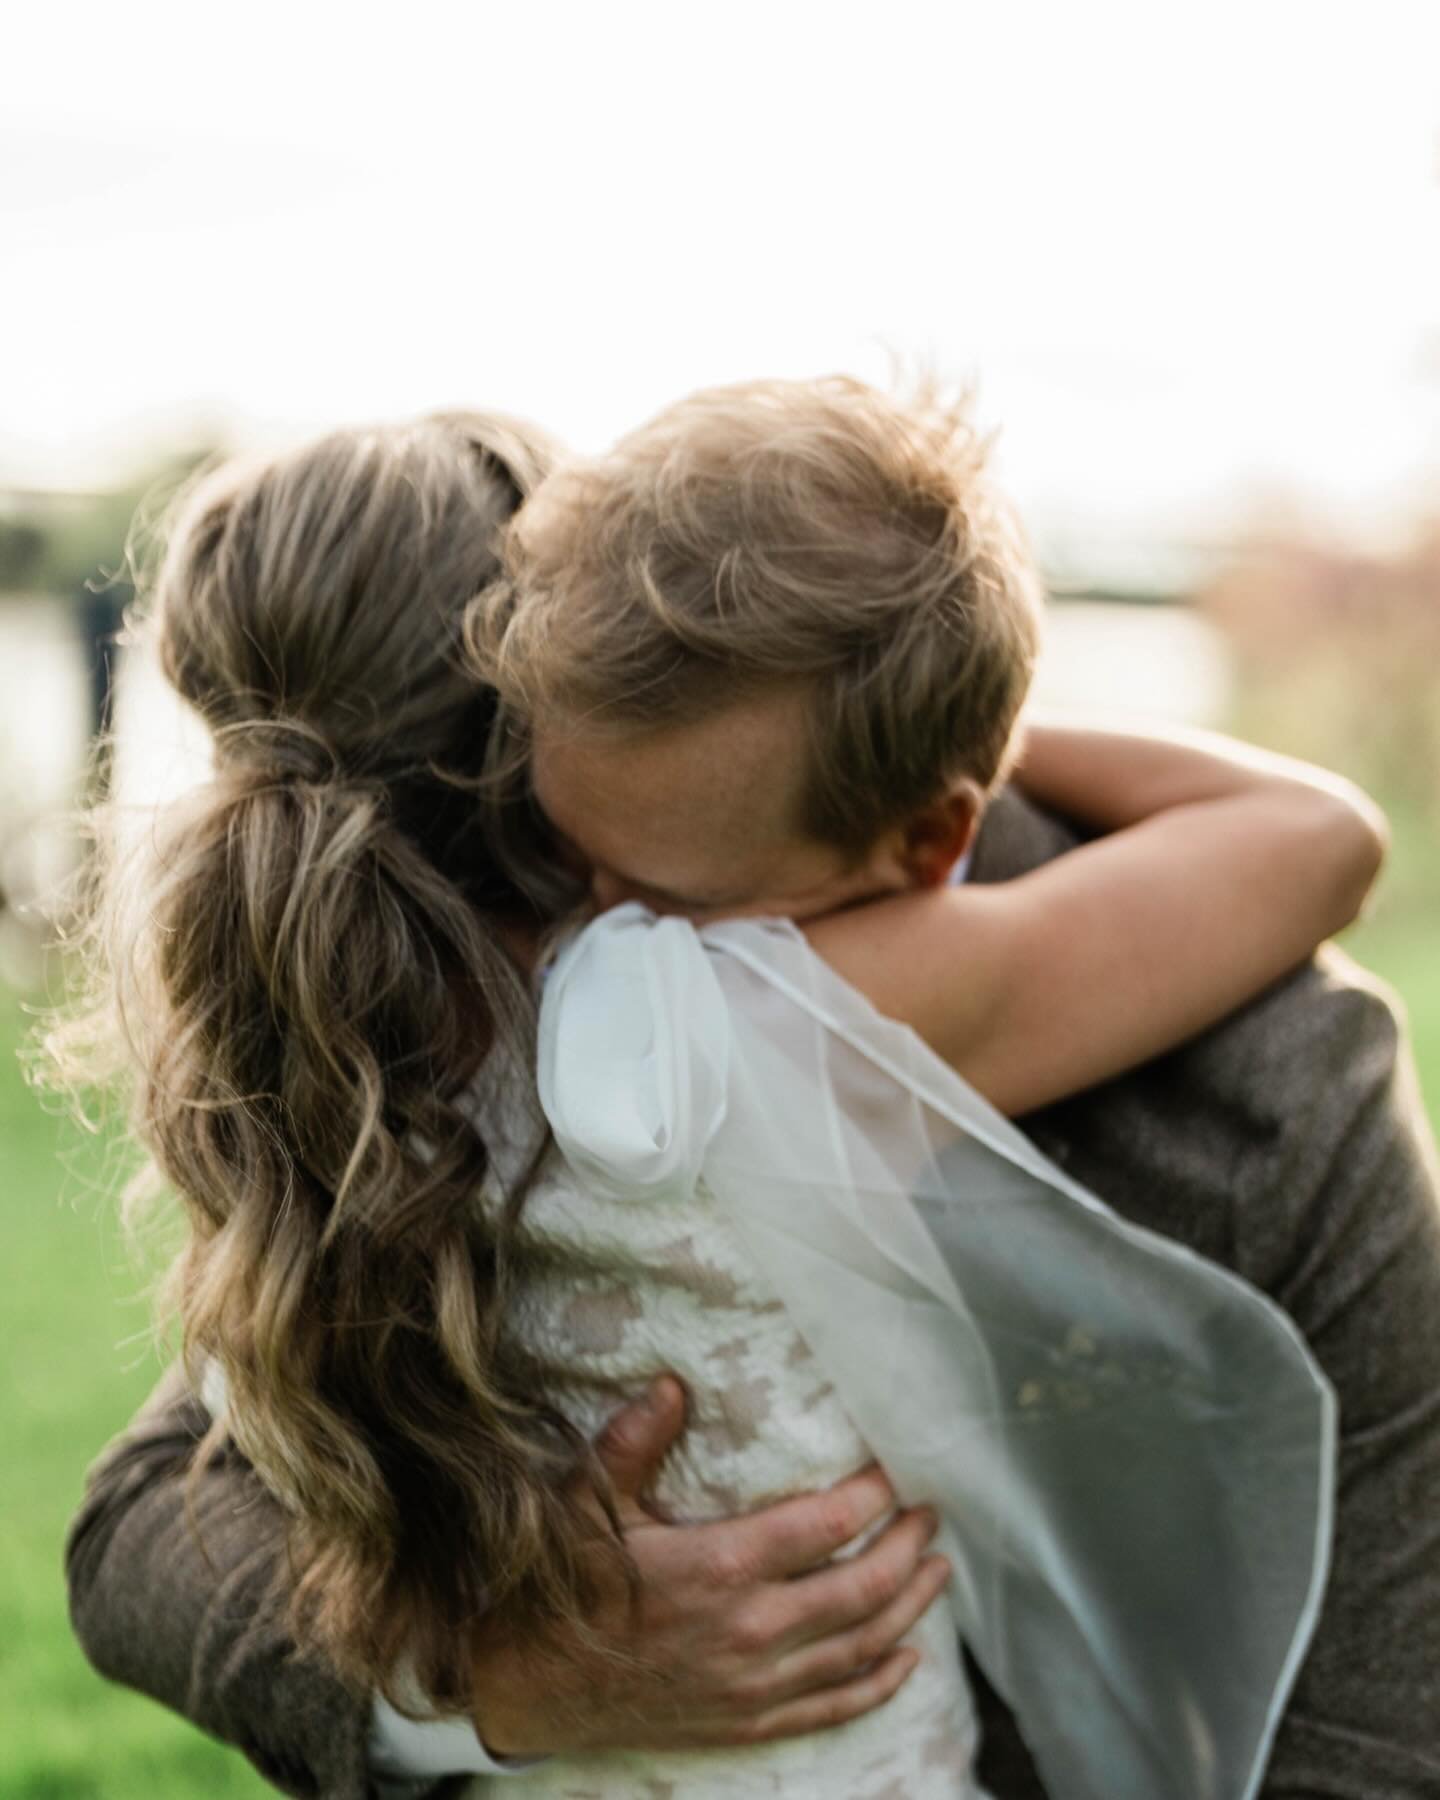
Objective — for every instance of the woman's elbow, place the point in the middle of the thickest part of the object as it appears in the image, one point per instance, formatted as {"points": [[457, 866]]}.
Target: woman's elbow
{"points": [[1358, 840]]}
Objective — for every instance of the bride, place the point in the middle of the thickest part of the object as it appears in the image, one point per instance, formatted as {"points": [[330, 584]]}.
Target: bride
{"points": [[319, 970]]}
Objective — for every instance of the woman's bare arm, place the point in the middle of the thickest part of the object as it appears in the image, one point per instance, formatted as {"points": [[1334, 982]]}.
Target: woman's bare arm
{"points": [[1224, 867]]}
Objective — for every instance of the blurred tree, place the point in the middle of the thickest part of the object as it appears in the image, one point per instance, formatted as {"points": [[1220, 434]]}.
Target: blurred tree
{"points": [[63, 544], [1337, 657], [22, 553]]}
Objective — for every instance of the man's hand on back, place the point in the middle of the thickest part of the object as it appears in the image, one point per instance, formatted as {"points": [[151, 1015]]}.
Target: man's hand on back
{"points": [[742, 1630]]}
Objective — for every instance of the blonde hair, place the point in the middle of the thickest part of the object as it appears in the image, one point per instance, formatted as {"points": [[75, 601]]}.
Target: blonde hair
{"points": [[776, 532], [297, 972]]}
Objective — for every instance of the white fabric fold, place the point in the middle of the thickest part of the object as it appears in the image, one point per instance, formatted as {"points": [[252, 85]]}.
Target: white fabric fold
{"points": [[650, 1100], [1132, 1449]]}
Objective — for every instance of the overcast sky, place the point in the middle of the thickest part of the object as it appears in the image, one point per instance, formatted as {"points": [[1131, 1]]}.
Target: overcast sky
{"points": [[1192, 253]]}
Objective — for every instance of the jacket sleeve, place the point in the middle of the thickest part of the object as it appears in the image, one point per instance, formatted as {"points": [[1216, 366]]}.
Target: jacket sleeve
{"points": [[173, 1590], [1359, 1271], [1290, 1145]]}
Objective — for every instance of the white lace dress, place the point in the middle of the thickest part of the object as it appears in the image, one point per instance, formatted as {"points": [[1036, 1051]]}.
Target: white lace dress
{"points": [[637, 1289]]}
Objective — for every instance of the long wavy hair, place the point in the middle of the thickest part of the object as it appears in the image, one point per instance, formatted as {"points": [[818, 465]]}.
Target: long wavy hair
{"points": [[298, 970]]}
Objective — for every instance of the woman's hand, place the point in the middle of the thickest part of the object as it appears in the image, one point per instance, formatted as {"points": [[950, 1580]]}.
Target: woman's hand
{"points": [[741, 1633]]}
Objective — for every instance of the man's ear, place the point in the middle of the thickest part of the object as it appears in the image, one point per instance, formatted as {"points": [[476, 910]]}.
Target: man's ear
{"points": [[934, 839]]}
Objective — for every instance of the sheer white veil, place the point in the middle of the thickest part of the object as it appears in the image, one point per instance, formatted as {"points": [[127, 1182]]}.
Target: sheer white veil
{"points": [[1132, 1449]]}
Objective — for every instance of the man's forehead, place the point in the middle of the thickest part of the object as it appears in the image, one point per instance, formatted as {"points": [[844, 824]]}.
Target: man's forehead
{"points": [[666, 807]]}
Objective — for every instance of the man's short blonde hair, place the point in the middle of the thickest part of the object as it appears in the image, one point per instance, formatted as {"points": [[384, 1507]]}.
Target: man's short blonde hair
{"points": [[781, 532]]}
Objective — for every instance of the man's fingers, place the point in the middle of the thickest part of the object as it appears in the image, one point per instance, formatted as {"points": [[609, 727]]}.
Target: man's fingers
{"points": [[820, 1711], [635, 1441], [836, 1658], [795, 1535], [852, 1591]]}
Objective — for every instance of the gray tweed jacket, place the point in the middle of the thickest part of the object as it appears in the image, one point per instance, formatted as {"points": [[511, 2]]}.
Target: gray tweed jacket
{"points": [[1287, 1144]]}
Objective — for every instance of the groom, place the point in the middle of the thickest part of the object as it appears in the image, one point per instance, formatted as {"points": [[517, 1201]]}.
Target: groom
{"points": [[1286, 1144]]}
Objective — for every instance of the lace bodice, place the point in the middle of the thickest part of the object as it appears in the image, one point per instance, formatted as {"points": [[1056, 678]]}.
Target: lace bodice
{"points": [[622, 1292]]}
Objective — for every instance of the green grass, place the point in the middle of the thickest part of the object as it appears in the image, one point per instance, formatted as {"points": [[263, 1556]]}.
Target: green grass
{"points": [[1405, 951], [77, 1361]]}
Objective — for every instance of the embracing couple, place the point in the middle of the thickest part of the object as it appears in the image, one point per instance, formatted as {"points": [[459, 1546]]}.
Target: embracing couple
{"points": [[544, 1429]]}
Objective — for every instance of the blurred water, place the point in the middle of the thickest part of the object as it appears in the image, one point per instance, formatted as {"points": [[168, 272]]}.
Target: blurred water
{"points": [[1154, 662], [44, 726], [161, 748], [44, 697]]}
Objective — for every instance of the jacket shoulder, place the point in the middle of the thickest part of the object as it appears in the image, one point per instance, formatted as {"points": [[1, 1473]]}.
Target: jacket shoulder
{"points": [[1227, 1142]]}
